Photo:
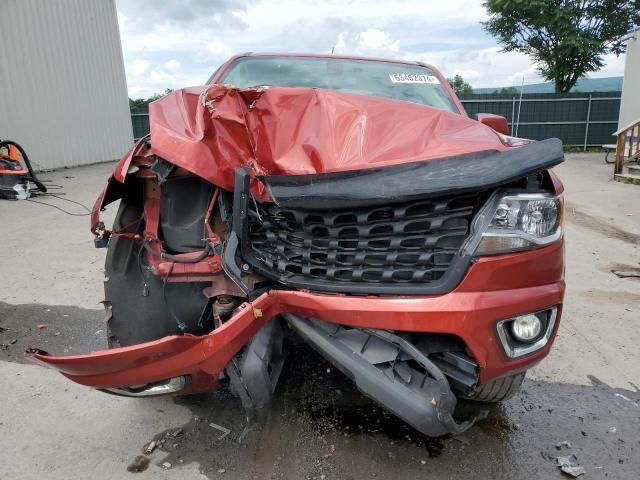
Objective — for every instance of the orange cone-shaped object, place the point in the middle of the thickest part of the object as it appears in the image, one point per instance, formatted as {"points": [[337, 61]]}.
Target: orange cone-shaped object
{"points": [[13, 153]]}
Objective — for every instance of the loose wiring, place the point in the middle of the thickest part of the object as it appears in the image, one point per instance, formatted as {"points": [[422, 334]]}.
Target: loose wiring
{"points": [[58, 196]]}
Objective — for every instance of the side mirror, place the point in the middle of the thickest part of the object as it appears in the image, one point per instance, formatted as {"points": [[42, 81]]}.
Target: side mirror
{"points": [[497, 122]]}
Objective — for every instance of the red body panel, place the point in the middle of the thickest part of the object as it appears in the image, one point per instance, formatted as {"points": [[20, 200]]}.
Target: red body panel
{"points": [[209, 131], [497, 122]]}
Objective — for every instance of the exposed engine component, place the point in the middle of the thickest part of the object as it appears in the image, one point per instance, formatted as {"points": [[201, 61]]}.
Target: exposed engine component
{"points": [[223, 307]]}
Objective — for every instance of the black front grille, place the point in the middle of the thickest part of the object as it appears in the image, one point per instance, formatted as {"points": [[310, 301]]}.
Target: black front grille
{"points": [[395, 246]]}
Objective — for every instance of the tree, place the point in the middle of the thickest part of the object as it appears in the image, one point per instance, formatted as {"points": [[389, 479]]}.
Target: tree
{"points": [[508, 91], [461, 87], [142, 103], [567, 38]]}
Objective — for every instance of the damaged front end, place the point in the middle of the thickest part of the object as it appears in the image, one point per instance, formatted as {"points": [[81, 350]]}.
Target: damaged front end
{"points": [[252, 213], [389, 370]]}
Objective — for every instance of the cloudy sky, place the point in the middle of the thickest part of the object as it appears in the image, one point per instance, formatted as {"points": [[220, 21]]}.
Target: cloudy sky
{"points": [[177, 43]]}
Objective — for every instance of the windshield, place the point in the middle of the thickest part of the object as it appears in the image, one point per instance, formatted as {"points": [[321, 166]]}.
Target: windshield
{"points": [[409, 83]]}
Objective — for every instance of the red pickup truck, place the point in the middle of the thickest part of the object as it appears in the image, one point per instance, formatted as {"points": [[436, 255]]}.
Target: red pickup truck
{"points": [[350, 202]]}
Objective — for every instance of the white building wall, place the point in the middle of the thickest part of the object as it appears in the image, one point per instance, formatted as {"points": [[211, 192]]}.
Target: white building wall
{"points": [[630, 104], [63, 92]]}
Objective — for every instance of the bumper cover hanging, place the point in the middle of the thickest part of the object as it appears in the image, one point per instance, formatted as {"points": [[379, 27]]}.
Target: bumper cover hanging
{"points": [[377, 361]]}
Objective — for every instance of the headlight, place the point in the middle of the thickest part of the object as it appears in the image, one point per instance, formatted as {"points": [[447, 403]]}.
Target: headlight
{"points": [[522, 221]]}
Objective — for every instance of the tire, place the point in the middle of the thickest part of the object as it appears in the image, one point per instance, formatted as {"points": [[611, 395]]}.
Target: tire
{"points": [[139, 300], [497, 390]]}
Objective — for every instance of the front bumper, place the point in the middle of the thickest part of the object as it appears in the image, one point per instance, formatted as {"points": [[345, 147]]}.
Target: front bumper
{"points": [[494, 288]]}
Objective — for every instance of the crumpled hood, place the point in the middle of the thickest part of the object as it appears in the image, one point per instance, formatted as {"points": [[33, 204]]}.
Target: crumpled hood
{"points": [[294, 131]]}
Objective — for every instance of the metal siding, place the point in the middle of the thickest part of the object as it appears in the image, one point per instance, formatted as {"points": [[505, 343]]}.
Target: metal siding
{"points": [[630, 110], [63, 92]]}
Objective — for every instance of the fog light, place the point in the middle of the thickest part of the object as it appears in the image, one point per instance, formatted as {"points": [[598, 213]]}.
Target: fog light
{"points": [[526, 328], [526, 333]]}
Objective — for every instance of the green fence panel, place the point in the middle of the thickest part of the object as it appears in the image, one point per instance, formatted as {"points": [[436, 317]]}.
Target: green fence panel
{"points": [[578, 119], [140, 123]]}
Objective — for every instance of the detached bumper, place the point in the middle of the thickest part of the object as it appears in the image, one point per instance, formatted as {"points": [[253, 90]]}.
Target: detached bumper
{"points": [[379, 363], [494, 288]]}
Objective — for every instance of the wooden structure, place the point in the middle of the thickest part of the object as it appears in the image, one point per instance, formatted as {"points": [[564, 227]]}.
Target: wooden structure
{"points": [[628, 151]]}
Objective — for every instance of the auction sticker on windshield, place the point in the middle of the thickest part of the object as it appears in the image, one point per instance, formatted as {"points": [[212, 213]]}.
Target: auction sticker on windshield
{"points": [[412, 78]]}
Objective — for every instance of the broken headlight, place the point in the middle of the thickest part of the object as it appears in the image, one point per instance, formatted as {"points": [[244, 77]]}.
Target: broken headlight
{"points": [[522, 221]]}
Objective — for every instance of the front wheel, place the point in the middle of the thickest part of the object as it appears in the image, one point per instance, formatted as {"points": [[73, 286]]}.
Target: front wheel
{"points": [[497, 390]]}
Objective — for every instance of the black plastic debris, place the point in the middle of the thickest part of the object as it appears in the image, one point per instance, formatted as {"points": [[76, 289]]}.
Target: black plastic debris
{"points": [[627, 274]]}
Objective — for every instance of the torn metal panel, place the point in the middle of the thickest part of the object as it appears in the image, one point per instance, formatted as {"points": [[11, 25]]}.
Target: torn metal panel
{"points": [[301, 131]]}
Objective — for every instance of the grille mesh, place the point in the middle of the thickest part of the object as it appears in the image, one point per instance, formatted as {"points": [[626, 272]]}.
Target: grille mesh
{"points": [[410, 243]]}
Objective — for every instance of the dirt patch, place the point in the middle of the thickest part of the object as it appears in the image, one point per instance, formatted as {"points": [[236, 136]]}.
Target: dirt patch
{"points": [[623, 267], [611, 296], [599, 225], [62, 330], [138, 464]]}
